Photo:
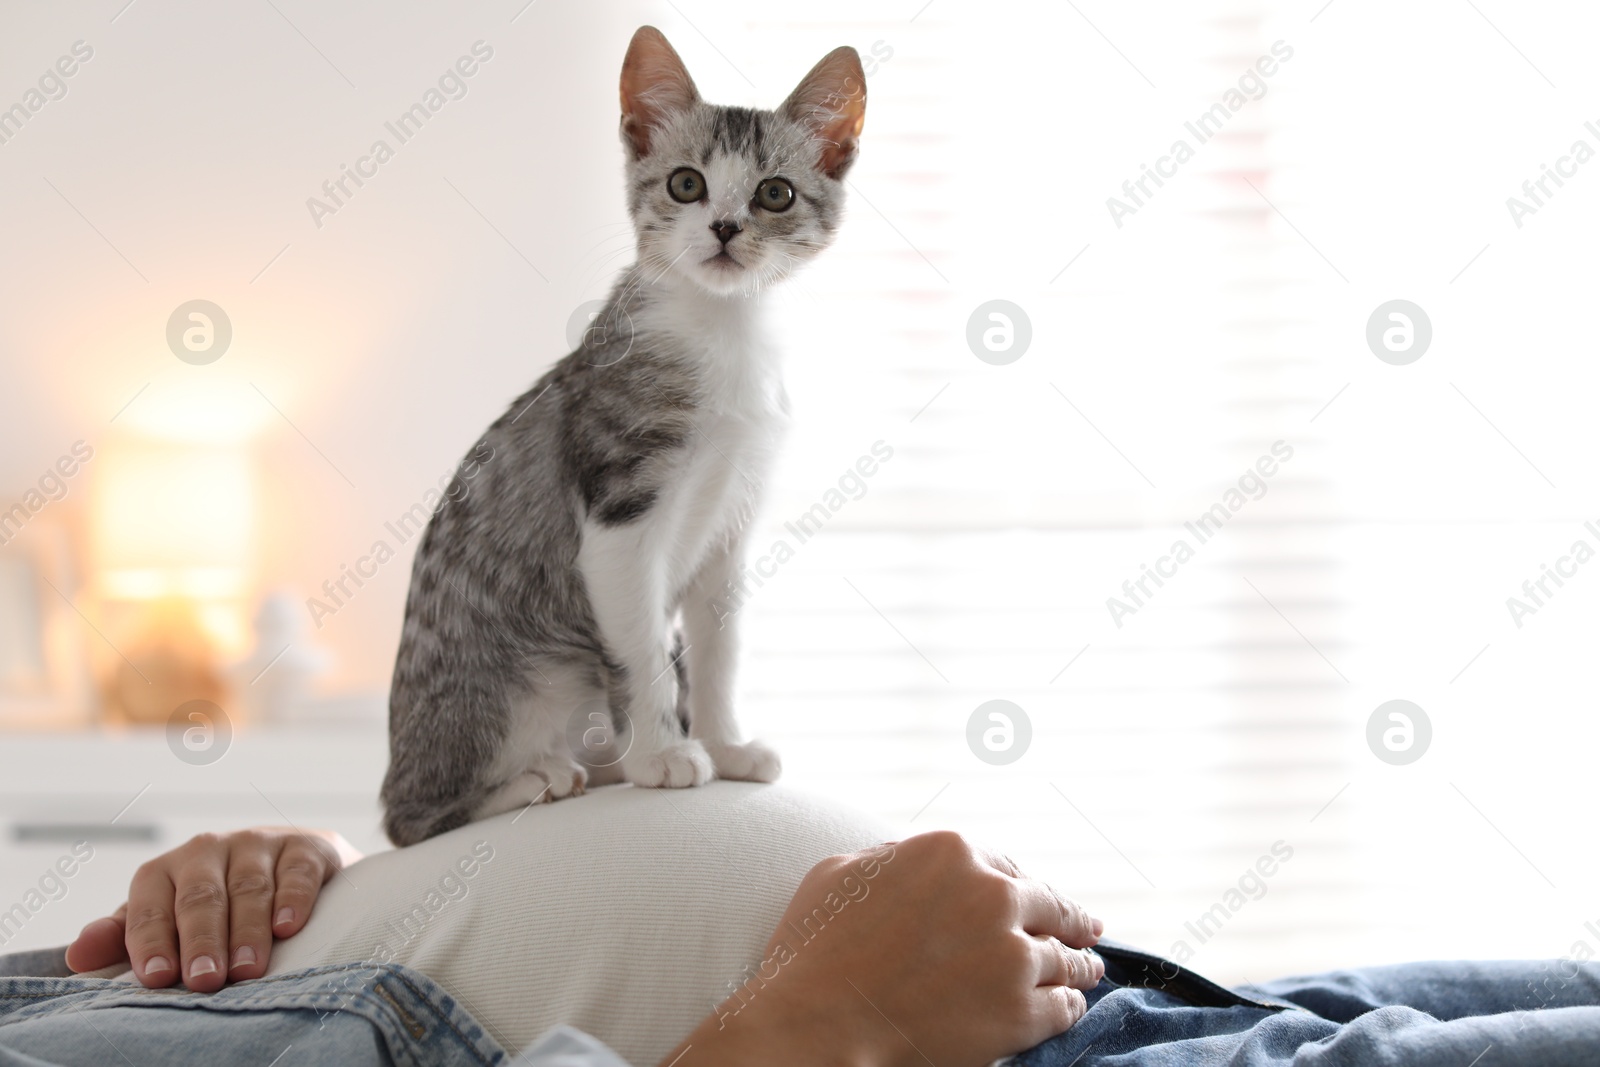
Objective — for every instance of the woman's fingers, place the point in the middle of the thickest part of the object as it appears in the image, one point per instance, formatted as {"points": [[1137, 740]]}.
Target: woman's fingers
{"points": [[1043, 912], [100, 944], [1063, 966], [200, 905], [1060, 1008], [151, 935], [250, 896], [303, 867], [206, 912]]}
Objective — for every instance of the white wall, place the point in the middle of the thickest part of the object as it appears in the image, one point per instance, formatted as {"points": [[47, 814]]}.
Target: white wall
{"points": [[1189, 339], [389, 337]]}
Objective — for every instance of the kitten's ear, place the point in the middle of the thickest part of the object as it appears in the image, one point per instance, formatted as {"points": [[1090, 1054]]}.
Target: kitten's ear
{"points": [[832, 100], [655, 84]]}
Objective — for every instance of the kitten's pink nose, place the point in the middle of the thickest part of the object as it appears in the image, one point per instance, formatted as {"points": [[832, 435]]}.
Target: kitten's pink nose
{"points": [[725, 229]]}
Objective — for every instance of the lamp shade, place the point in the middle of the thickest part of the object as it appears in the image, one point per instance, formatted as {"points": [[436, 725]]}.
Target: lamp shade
{"points": [[172, 520]]}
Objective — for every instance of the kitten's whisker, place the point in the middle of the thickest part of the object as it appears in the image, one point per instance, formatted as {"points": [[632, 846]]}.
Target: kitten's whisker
{"points": [[621, 227], [669, 266], [597, 260], [609, 256], [628, 240], [600, 265]]}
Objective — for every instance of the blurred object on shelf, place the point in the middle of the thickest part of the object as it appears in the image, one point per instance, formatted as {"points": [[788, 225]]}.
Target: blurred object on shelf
{"points": [[45, 680], [172, 532], [170, 661], [273, 683]]}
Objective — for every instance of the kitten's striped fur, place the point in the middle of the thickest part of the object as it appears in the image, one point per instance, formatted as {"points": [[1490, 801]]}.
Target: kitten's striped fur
{"points": [[612, 508]]}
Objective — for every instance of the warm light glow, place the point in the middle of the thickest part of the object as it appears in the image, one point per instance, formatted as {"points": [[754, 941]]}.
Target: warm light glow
{"points": [[176, 522], [217, 407], [173, 515], [188, 583]]}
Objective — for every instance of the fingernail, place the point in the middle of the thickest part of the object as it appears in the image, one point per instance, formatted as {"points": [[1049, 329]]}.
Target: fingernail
{"points": [[243, 955], [157, 965], [202, 965], [1099, 927], [285, 915]]}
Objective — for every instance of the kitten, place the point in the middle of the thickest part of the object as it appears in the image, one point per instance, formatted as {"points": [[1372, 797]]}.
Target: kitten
{"points": [[612, 497]]}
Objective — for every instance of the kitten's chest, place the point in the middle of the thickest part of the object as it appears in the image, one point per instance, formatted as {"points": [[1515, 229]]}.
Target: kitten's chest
{"points": [[716, 492], [741, 408], [738, 421], [729, 453]]}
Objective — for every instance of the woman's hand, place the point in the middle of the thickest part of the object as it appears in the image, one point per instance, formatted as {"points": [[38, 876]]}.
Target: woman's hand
{"points": [[207, 911], [926, 949]]}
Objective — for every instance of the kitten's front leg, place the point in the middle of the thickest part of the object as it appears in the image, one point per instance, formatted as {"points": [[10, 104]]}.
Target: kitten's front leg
{"points": [[711, 652], [624, 572]]}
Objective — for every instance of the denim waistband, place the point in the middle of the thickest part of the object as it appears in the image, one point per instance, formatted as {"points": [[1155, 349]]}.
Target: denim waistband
{"points": [[420, 1024], [1133, 967]]}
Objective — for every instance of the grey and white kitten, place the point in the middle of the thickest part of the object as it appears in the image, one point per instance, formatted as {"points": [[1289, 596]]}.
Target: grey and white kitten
{"points": [[607, 507]]}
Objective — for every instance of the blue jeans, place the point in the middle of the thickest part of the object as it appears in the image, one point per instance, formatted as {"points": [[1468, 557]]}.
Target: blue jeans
{"points": [[1149, 1012], [351, 1015]]}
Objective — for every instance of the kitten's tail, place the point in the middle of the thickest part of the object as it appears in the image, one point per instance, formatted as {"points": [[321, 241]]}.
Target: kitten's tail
{"points": [[408, 822]]}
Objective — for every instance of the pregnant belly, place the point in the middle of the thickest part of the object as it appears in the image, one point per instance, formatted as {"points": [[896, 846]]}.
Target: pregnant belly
{"points": [[628, 913]]}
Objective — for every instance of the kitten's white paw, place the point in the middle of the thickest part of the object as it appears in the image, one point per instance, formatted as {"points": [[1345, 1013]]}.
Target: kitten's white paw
{"points": [[525, 790], [752, 761], [680, 764], [567, 778]]}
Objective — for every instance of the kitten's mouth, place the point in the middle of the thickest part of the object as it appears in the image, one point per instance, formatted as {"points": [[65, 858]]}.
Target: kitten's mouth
{"points": [[723, 261]]}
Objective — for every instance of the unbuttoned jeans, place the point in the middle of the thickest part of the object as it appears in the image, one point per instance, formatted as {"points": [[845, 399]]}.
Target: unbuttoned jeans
{"points": [[1148, 1012]]}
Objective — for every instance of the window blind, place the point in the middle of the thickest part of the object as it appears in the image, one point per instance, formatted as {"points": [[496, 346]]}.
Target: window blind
{"points": [[1198, 770]]}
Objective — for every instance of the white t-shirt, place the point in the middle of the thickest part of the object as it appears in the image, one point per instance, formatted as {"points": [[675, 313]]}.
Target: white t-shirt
{"points": [[626, 913], [566, 1047]]}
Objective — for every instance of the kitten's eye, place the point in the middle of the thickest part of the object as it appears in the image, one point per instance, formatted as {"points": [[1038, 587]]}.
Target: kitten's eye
{"points": [[774, 194], [686, 185]]}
